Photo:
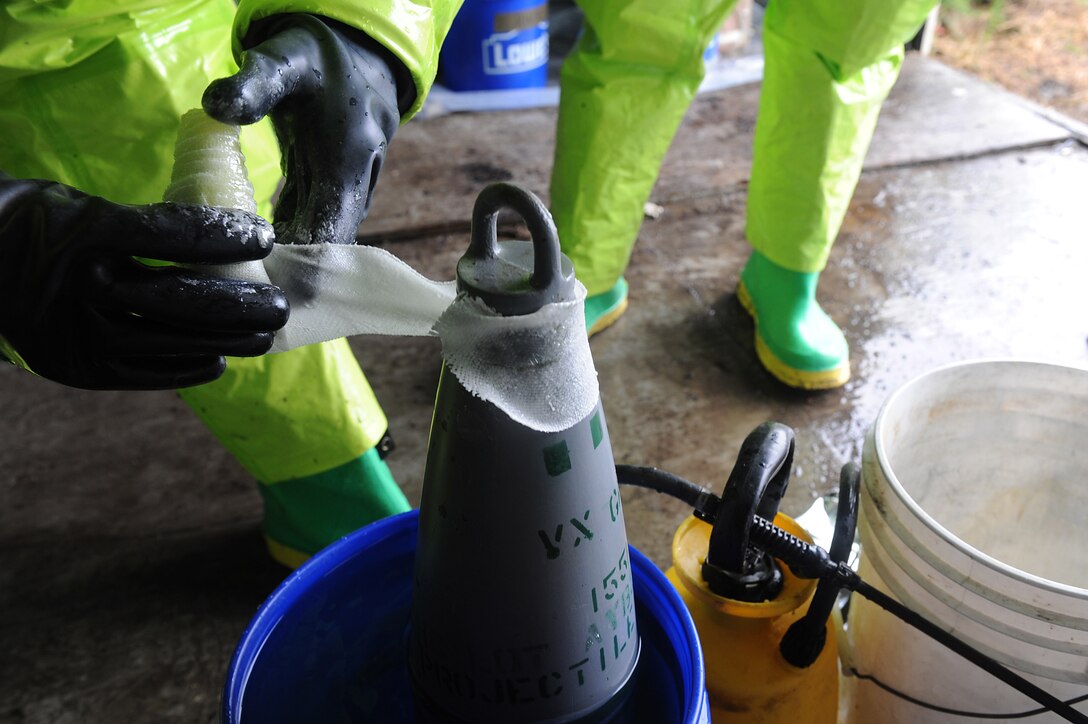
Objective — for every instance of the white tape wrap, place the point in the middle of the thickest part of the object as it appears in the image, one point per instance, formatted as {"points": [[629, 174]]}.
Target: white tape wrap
{"points": [[209, 169], [537, 368], [338, 290]]}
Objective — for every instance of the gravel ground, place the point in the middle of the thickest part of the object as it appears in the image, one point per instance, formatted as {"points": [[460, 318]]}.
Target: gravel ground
{"points": [[1036, 48]]}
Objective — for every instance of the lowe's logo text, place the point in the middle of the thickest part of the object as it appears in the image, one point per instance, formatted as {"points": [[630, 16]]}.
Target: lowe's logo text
{"points": [[516, 51]]}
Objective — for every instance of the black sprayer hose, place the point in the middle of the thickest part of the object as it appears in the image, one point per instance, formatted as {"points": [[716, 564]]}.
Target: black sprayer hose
{"points": [[807, 560], [889, 604], [790, 548], [704, 502]]}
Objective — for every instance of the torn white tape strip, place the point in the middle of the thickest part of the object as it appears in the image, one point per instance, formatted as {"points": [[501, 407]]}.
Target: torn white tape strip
{"points": [[339, 290]]}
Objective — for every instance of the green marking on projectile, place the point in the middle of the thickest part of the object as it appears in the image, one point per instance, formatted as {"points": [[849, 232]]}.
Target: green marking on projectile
{"points": [[557, 458], [597, 429]]}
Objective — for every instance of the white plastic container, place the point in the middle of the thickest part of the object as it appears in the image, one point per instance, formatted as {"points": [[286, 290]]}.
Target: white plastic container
{"points": [[974, 513]]}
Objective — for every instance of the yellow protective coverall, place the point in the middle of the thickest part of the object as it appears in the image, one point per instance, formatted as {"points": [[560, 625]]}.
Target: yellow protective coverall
{"points": [[635, 70], [624, 91], [91, 93]]}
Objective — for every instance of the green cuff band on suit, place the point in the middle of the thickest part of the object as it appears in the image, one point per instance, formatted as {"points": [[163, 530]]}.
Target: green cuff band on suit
{"points": [[306, 514]]}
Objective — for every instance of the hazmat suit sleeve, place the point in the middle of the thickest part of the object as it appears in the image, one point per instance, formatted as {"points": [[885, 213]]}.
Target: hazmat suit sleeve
{"points": [[412, 30]]}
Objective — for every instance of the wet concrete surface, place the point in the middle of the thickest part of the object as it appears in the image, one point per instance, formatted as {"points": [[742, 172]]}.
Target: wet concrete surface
{"points": [[130, 556]]}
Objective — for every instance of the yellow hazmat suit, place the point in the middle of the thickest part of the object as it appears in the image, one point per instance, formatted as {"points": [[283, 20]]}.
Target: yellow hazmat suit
{"points": [[91, 93], [829, 65]]}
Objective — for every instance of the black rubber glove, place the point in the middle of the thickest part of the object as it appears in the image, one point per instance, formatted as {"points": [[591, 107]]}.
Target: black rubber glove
{"points": [[332, 96], [79, 310]]}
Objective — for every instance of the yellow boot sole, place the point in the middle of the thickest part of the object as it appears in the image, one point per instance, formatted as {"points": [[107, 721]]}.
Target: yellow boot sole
{"points": [[608, 319], [801, 379], [285, 555]]}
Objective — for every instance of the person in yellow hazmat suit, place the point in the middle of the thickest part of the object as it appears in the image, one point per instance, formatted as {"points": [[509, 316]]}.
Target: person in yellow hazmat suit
{"points": [[829, 65], [91, 93]]}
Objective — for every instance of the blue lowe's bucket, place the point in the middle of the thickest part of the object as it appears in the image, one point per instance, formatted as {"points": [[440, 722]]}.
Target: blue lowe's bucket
{"points": [[330, 644], [497, 44]]}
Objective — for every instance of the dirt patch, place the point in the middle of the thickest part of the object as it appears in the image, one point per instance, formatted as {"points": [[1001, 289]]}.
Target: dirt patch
{"points": [[1035, 48]]}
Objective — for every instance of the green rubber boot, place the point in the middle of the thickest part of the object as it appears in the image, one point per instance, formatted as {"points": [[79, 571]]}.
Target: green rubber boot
{"points": [[603, 309], [304, 515], [795, 339]]}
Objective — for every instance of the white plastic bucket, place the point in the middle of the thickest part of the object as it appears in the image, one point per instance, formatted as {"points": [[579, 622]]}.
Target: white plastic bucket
{"points": [[974, 513]]}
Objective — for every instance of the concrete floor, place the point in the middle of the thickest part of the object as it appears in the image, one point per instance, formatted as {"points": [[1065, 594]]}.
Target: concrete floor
{"points": [[130, 554]]}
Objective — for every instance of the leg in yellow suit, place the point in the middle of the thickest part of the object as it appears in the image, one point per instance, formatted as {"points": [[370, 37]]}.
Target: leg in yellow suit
{"points": [[624, 90]]}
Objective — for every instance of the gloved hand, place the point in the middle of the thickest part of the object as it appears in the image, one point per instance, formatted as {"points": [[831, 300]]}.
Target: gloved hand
{"points": [[79, 310], [332, 96]]}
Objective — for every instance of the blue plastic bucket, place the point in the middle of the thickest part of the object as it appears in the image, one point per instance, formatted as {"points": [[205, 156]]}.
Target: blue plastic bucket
{"points": [[330, 643], [496, 44]]}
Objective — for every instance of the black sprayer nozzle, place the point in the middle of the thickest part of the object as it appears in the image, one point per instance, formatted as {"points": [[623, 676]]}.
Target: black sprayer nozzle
{"points": [[805, 638], [733, 568]]}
